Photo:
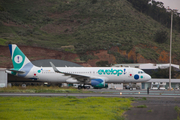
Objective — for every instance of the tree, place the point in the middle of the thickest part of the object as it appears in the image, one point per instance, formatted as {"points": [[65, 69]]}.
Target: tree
{"points": [[161, 36], [102, 63], [140, 5], [94, 1], [157, 11]]}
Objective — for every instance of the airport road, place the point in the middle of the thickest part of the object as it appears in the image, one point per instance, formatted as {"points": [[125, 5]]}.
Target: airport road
{"points": [[83, 95], [106, 93]]}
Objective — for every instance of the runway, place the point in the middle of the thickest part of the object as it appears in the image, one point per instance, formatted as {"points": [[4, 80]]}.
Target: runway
{"points": [[105, 93]]}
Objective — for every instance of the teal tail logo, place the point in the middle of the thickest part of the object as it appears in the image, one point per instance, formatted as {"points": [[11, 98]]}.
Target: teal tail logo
{"points": [[19, 60], [17, 56]]}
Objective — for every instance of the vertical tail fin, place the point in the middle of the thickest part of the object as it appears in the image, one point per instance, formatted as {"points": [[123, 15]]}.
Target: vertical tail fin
{"points": [[19, 60]]}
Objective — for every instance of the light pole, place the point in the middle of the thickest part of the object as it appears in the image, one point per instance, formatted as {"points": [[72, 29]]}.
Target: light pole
{"points": [[170, 50], [172, 12]]}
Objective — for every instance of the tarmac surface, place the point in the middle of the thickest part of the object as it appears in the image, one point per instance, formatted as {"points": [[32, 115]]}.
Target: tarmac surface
{"points": [[108, 93], [157, 109]]}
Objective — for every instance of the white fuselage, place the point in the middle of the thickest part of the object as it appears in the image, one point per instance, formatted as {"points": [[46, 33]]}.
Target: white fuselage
{"points": [[109, 74]]}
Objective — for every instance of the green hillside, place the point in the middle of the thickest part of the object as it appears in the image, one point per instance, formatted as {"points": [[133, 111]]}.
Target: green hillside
{"points": [[86, 24]]}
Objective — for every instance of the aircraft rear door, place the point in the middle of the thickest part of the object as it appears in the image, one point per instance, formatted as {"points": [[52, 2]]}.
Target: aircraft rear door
{"points": [[35, 74]]}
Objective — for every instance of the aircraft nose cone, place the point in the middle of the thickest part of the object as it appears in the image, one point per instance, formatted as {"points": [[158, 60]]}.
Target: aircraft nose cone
{"points": [[148, 77]]}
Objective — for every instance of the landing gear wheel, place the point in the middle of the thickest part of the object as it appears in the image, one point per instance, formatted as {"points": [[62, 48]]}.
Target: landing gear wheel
{"points": [[85, 87], [79, 87]]}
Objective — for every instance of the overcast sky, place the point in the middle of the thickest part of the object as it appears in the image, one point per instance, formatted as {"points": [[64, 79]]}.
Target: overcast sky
{"points": [[173, 4]]}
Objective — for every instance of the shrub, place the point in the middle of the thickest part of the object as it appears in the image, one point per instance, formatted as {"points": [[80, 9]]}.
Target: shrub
{"points": [[102, 63], [94, 1], [141, 106]]}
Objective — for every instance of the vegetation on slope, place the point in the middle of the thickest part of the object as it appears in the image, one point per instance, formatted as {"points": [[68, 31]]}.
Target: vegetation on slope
{"points": [[85, 24]]}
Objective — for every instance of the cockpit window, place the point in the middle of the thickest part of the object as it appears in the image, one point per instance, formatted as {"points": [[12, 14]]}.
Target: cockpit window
{"points": [[140, 72]]}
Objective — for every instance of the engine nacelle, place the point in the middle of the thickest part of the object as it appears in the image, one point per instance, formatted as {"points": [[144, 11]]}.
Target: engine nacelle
{"points": [[98, 83]]}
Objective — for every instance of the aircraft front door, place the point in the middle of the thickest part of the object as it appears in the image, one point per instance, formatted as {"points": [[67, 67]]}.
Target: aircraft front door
{"points": [[130, 73]]}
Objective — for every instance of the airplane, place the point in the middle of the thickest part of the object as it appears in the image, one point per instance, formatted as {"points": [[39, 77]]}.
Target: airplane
{"points": [[97, 77]]}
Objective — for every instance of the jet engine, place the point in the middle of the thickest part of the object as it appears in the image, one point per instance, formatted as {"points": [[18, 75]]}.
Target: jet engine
{"points": [[98, 83]]}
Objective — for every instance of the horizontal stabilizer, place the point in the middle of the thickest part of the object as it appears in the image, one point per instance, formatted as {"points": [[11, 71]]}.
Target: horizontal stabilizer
{"points": [[17, 71]]}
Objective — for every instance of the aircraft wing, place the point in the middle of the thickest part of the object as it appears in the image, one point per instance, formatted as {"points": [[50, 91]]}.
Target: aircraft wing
{"points": [[77, 76]]}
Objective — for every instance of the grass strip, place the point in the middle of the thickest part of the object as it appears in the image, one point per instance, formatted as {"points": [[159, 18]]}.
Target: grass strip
{"points": [[64, 108]]}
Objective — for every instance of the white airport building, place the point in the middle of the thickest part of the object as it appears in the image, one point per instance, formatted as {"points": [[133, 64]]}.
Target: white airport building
{"points": [[146, 65], [3, 77]]}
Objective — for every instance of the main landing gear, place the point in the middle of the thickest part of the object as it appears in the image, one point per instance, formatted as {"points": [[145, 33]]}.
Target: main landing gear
{"points": [[83, 86]]}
